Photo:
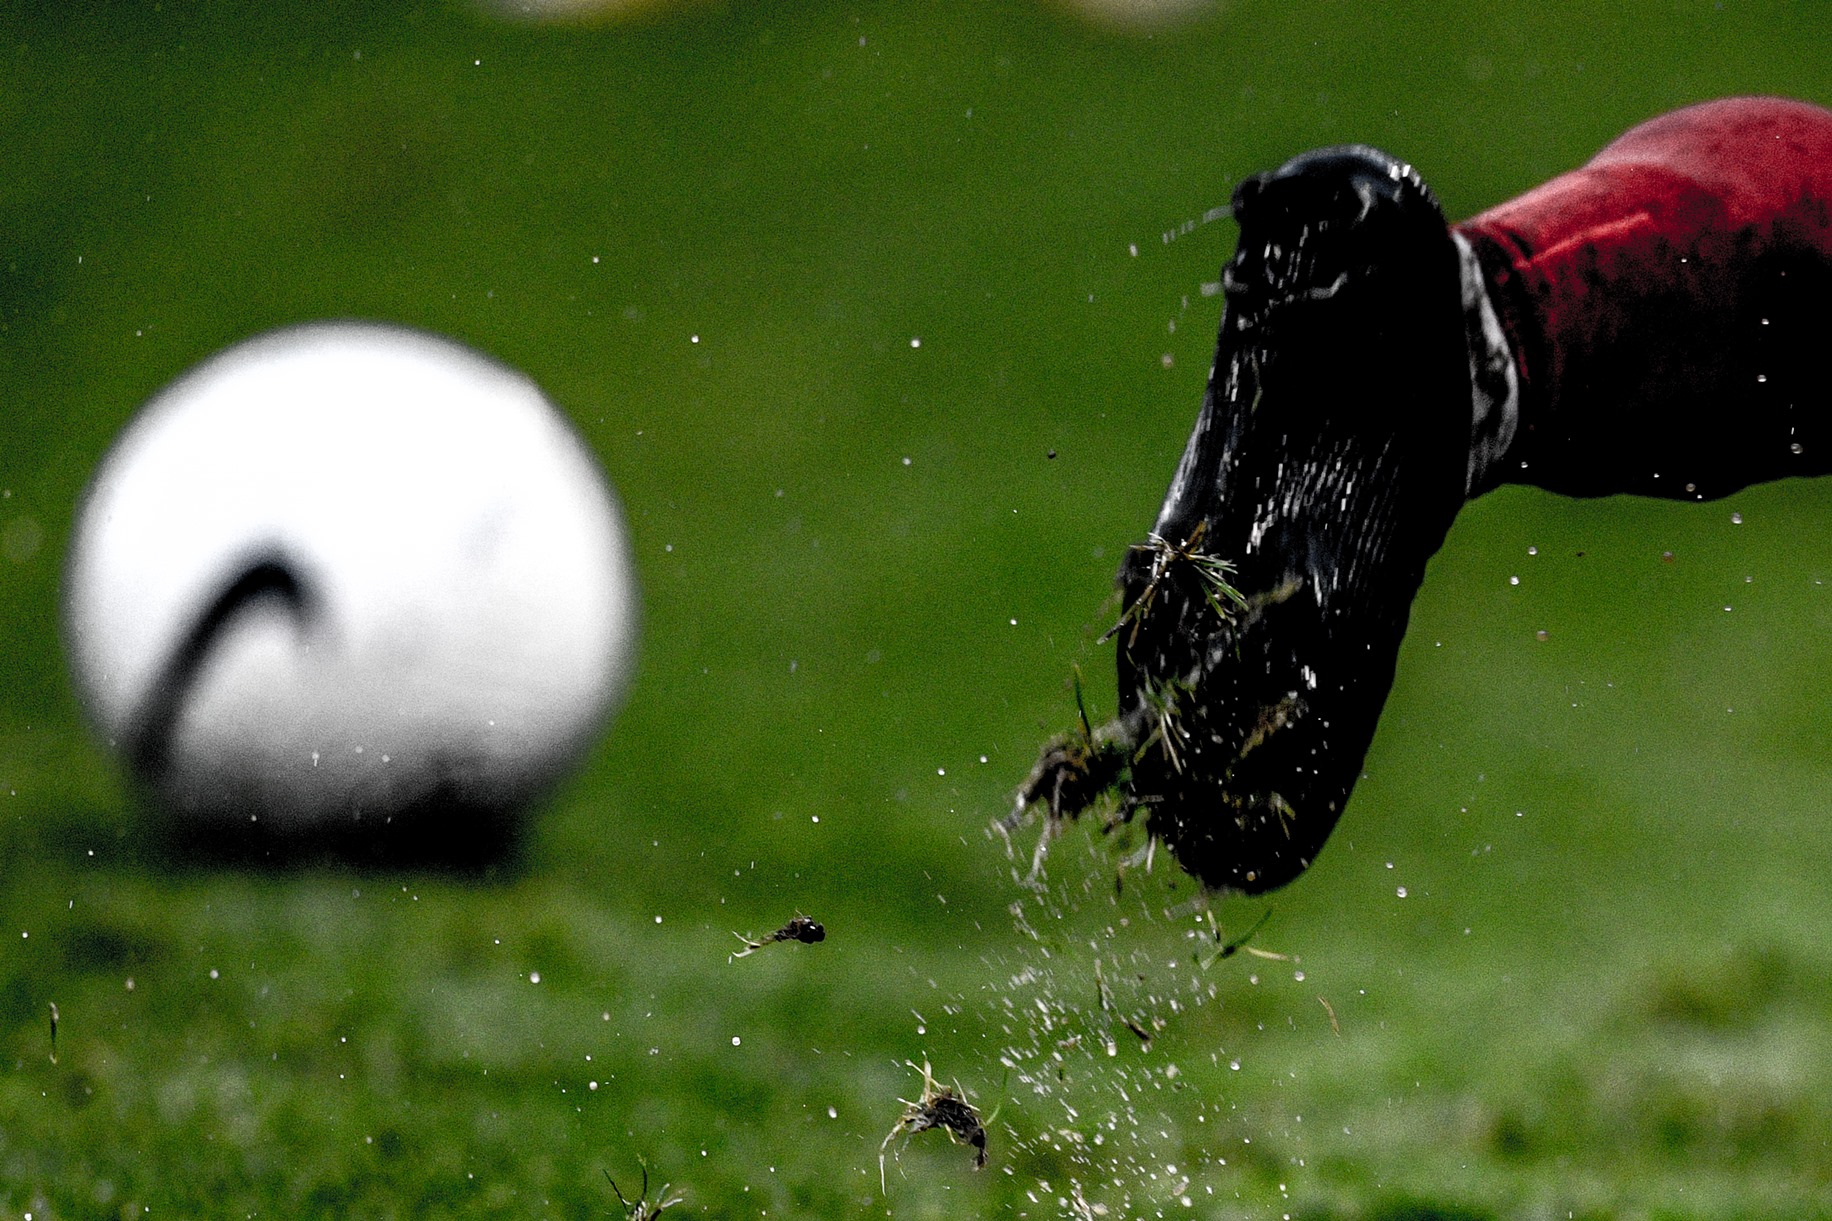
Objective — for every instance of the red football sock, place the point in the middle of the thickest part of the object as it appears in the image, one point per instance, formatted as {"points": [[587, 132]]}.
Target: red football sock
{"points": [[1670, 305]]}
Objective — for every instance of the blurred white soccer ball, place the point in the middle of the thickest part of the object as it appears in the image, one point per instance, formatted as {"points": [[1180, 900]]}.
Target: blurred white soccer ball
{"points": [[349, 575]]}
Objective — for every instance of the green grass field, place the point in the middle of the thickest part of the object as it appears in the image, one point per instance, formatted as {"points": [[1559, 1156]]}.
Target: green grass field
{"points": [[1568, 955]]}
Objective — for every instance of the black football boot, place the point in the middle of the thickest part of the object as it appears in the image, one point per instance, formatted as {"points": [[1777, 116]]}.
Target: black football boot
{"points": [[1263, 616]]}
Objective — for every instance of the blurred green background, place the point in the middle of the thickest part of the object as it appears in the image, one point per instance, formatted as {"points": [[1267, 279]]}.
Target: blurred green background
{"points": [[1568, 955]]}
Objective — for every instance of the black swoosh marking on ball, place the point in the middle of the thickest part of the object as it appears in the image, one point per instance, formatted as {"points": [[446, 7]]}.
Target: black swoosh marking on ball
{"points": [[266, 576]]}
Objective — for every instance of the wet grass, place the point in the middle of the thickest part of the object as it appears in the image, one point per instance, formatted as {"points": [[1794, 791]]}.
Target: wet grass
{"points": [[1603, 992]]}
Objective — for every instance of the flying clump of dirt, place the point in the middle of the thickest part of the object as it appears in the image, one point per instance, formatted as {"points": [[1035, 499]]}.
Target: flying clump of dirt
{"points": [[940, 1106], [805, 929]]}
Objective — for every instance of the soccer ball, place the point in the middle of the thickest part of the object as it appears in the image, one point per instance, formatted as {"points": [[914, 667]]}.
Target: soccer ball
{"points": [[349, 579]]}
